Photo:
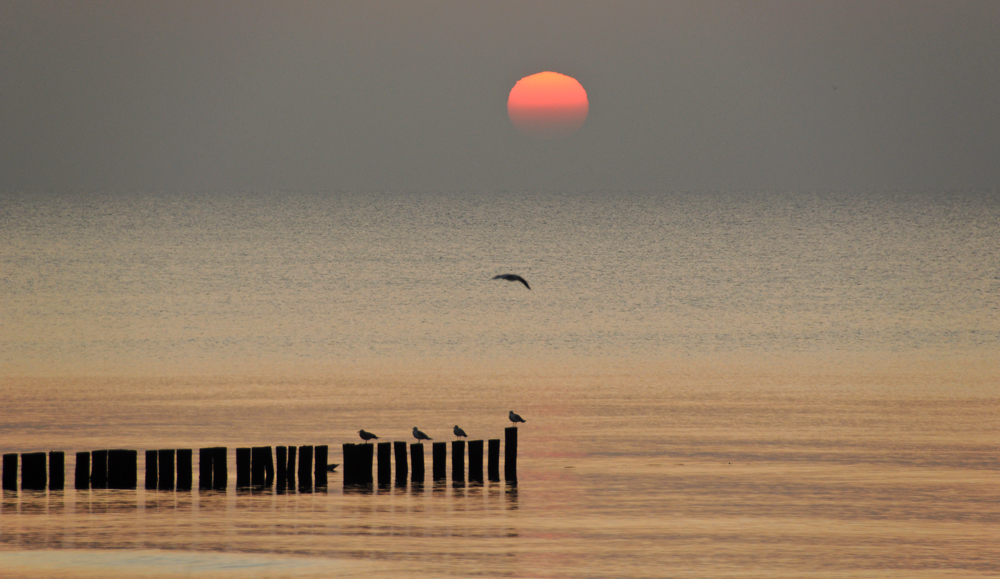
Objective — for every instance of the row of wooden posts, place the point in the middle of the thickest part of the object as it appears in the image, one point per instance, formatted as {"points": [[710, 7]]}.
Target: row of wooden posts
{"points": [[171, 469], [168, 469], [358, 459]]}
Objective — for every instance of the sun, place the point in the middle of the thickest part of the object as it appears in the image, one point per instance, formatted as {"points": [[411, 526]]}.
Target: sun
{"points": [[548, 105]]}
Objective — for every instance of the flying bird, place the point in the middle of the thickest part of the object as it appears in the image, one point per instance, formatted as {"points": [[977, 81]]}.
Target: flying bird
{"points": [[515, 418], [366, 436], [512, 277], [420, 435], [459, 432]]}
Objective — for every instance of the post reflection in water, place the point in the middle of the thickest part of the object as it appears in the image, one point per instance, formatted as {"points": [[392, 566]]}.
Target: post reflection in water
{"points": [[57, 503], [359, 489], [510, 493]]}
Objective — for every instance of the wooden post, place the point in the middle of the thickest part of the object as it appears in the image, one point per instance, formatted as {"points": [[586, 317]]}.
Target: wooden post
{"points": [[321, 452], [57, 470], [417, 458], [281, 455], [494, 460], [184, 474], [268, 466], [114, 473], [476, 460], [242, 468], [384, 464], [33, 473], [290, 467], [82, 471], [165, 460], [10, 471], [439, 456], [305, 467], [458, 461], [151, 469], [220, 468], [366, 456], [510, 454], [99, 469], [257, 466], [401, 468], [350, 464], [205, 468], [123, 468]]}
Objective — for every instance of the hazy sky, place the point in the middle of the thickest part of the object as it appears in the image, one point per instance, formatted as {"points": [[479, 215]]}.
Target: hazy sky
{"points": [[407, 95]]}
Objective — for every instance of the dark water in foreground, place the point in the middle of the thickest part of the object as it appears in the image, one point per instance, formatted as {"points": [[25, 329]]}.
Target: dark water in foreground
{"points": [[715, 385], [709, 475]]}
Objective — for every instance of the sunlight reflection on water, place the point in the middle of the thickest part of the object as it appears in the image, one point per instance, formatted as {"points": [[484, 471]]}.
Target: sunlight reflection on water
{"points": [[764, 385]]}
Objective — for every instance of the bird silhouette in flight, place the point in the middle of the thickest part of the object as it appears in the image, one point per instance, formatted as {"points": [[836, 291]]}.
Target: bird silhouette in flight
{"points": [[512, 277], [366, 436], [515, 418], [420, 435], [459, 432]]}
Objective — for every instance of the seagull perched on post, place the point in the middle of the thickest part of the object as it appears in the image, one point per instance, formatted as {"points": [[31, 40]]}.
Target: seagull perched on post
{"points": [[366, 436], [420, 435], [459, 432], [512, 277], [515, 418]]}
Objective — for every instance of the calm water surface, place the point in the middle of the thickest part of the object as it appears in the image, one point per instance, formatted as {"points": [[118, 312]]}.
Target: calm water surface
{"points": [[716, 385]]}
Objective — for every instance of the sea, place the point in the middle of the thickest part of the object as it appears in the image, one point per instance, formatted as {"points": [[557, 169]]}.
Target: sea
{"points": [[772, 384]]}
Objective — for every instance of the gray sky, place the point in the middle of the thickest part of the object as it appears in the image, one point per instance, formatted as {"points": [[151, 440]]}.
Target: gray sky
{"points": [[408, 95]]}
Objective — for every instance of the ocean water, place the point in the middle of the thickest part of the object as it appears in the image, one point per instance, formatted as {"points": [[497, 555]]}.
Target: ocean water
{"points": [[716, 384]]}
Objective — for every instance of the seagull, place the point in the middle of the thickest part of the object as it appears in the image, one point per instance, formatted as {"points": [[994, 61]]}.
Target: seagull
{"points": [[515, 418], [420, 435], [460, 432], [366, 436], [512, 277]]}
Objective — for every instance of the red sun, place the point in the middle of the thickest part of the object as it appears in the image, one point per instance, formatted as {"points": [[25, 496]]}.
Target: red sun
{"points": [[548, 105]]}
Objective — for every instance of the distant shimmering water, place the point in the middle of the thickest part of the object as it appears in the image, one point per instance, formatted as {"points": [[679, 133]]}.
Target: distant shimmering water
{"points": [[716, 385]]}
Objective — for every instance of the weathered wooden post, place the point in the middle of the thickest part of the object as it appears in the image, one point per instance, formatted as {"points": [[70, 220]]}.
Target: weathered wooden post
{"points": [[257, 466], [476, 460], [205, 468], [458, 461], [33, 473], [510, 454], [268, 466], [82, 471], [350, 464], [165, 460], [184, 474], [151, 469], [123, 468], [281, 456], [384, 464], [10, 471], [305, 467], [417, 458], [322, 451], [401, 468], [242, 468], [366, 456], [99, 469], [220, 468], [57, 470], [114, 475], [439, 456], [290, 467], [494, 460]]}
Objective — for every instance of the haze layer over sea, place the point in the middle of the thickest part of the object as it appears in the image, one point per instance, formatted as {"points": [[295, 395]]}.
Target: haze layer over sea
{"points": [[716, 384]]}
